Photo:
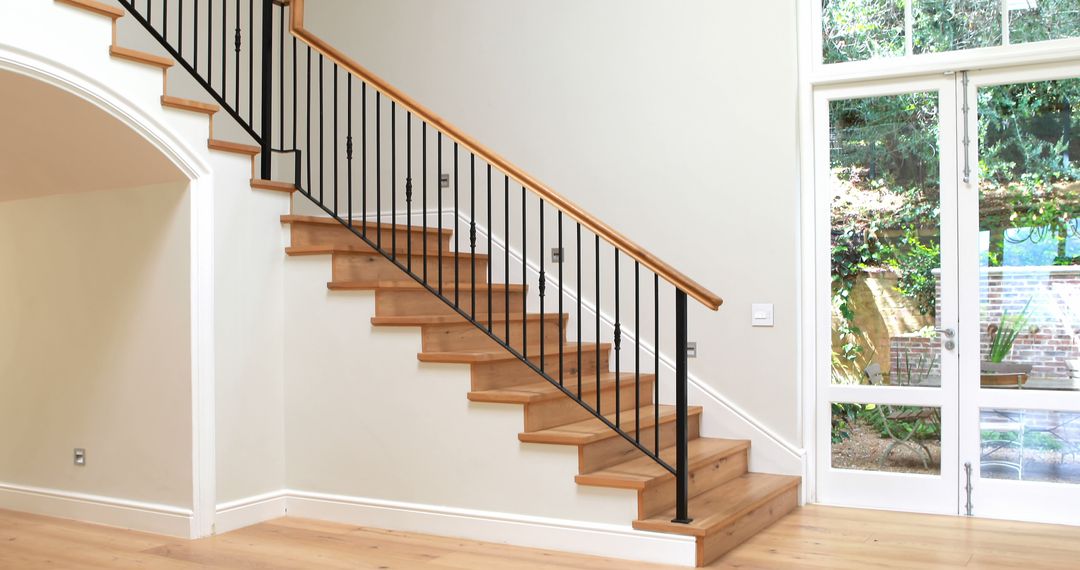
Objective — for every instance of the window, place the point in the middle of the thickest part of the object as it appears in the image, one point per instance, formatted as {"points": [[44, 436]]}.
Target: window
{"points": [[858, 30]]}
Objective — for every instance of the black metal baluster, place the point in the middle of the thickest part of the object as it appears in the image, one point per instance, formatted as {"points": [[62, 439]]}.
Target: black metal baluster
{"points": [[393, 179], [294, 114], [408, 191], [423, 189], [682, 458], [490, 229], [637, 351], [596, 240], [209, 42], [580, 343], [335, 104], [524, 273], [251, 60], [322, 134], [307, 121], [506, 256], [224, 49], [457, 231], [180, 27], [656, 363], [281, 74], [195, 39], [472, 231], [348, 142], [236, 69], [378, 169], [543, 287], [149, 10], [439, 239], [618, 346], [266, 86], [562, 331], [165, 19], [363, 158]]}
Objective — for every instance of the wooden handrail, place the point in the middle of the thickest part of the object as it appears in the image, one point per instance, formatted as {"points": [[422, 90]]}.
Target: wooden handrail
{"points": [[661, 268]]}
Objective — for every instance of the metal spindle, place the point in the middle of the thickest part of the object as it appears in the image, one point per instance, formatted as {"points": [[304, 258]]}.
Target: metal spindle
{"points": [[580, 344], [682, 455], [335, 105], [251, 58], [542, 284], [281, 75], [457, 232], [524, 274], [322, 134], [209, 41], [637, 351], [266, 86], [307, 121], [491, 228], [224, 48], [165, 19], [195, 39], [363, 158], [439, 239], [408, 190], [618, 346], [562, 331], [393, 179], [506, 256], [596, 241], [378, 169], [472, 231], [423, 153], [236, 69], [348, 143], [656, 363], [180, 27]]}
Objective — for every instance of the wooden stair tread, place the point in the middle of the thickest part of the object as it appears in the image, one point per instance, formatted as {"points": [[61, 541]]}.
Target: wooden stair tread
{"points": [[592, 429], [420, 320], [140, 57], [295, 218], [469, 356], [641, 471], [362, 248], [95, 7], [410, 285], [718, 508], [544, 390], [189, 105], [238, 148], [273, 185]]}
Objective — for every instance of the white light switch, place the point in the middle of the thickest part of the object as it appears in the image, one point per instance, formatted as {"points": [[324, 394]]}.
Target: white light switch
{"points": [[761, 314]]}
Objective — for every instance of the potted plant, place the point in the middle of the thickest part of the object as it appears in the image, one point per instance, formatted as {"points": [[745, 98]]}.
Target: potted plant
{"points": [[995, 371]]}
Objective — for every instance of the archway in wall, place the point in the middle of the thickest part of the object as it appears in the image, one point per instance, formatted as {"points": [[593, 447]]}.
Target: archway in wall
{"points": [[95, 310]]}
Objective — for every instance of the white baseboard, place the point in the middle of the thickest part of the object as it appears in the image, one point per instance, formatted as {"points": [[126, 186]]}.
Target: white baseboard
{"points": [[134, 515], [535, 532], [249, 511]]}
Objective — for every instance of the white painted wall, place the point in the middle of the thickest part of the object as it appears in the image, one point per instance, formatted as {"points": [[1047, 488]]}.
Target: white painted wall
{"points": [[652, 116], [95, 343]]}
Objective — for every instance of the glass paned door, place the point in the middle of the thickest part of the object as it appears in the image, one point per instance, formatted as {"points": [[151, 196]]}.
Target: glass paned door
{"points": [[1020, 295], [886, 212]]}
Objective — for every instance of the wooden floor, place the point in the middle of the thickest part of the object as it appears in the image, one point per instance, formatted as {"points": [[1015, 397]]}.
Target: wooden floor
{"points": [[811, 537]]}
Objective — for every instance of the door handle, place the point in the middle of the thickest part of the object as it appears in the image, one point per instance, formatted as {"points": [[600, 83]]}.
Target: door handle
{"points": [[947, 333]]}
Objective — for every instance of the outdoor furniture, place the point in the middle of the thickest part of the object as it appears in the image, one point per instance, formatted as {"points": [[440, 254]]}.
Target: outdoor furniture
{"points": [[915, 416], [1001, 421]]}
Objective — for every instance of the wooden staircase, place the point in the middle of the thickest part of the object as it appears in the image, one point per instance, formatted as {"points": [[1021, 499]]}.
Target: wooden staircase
{"points": [[728, 503]]}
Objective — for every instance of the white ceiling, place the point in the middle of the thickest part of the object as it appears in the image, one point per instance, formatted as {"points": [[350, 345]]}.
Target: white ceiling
{"points": [[53, 142]]}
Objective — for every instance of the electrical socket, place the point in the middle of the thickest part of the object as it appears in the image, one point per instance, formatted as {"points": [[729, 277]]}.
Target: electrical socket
{"points": [[557, 255], [691, 350], [80, 457], [444, 181]]}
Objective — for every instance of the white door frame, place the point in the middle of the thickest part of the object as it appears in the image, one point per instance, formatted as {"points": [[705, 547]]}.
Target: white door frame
{"points": [[897, 491], [999, 498]]}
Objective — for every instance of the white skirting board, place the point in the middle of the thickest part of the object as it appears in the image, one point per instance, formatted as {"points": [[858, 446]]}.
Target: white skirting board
{"points": [[519, 530], [122, 513]]}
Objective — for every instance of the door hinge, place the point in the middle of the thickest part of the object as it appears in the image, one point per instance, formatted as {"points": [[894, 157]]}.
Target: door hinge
{"points": [[967, 489], [965, 81]]}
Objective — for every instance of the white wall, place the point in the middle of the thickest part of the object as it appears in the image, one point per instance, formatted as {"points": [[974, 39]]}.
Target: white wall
{"points": [[673, 122], [95, 343]]}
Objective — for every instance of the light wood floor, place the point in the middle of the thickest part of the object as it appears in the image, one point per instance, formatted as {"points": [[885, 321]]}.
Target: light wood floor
{"points": [[812, 537]]}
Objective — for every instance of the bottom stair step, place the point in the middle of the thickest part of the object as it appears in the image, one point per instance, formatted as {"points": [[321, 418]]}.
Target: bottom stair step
{"points": [[726, 516]]}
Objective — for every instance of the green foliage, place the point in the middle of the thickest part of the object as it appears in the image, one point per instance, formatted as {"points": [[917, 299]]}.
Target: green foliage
{"points": [[1048, 20], [948, 25], [844, 417], [1032, 440], [1008, 328], [855, 30], [915, 262], [875, 417]]}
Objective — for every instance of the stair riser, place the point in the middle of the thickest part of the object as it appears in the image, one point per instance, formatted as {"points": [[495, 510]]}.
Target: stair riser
{"points": [[445, 338], [615, 450], [421, 302], [337, 235], [712, 547], [661, 497], [495, 375], [372, 267], [564, 410]]}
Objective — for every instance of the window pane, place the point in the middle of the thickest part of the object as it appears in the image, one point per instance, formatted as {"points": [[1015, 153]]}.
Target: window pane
{"points": [[1038, 20], [874, 437], [855, 30], [885, 239], [1030, 445], [948, 25]]}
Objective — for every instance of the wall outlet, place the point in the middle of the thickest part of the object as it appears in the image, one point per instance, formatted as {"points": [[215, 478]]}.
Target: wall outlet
{"points": [[691, 350], [761, 314], [80, 457], [444, 181], [556, 255]]}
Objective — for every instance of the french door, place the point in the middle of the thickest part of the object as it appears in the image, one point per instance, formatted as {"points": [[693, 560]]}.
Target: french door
{"points": [[948, 293]]}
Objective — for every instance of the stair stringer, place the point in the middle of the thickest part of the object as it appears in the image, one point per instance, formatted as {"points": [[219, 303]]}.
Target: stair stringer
{"points": [[365, 420]]}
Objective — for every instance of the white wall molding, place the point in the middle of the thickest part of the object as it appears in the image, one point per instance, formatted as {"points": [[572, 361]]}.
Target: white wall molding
{"points": [[250, 511], [535, 532], [111, 511]]}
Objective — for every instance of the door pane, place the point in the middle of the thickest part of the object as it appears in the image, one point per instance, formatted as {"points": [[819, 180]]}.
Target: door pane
{"points": [[948, 25], [874, 437], [885, 243], [1029, 192], [1030, 445]]}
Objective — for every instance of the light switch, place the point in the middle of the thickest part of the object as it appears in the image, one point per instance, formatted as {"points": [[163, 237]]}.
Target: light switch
{"points": [[761, 314]]}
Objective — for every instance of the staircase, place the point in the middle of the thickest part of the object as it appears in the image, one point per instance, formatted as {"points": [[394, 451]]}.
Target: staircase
{"points": [[581, 381]]}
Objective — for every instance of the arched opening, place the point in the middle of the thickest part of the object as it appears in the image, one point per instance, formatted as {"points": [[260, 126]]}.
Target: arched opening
{"points": [[95, 305]]}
